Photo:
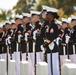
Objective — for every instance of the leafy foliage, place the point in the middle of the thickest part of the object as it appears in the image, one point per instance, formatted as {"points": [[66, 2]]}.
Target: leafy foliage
{"points": [[67, 6], [24, 6], [5, 15]]}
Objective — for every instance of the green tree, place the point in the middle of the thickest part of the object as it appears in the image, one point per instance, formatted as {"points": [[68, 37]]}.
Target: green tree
{"points": [[40, 3], [66, 5], [24, 6], [5, 15], [2, 15]]}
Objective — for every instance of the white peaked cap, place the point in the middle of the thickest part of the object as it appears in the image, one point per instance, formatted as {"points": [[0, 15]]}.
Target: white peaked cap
{"points": [[73, 17], [12, 21], [18, 16], [35, 12], [65, 20], [51, 9], [69, 19], [1, 24], [21, 16], [26, 14], [44, 7], [7, 22], [58, 22]]}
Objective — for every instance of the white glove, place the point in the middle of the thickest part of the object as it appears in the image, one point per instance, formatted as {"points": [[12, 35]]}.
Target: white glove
{"points": [[19, 38], [42, 48], [34, 34], [67, 38], [26, 35], [9, 42], [51, 46], [57, 40]]}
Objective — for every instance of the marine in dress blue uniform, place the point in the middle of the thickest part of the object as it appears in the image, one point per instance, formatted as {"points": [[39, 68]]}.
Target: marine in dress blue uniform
{"points": [[50, 45], [72, 47]]}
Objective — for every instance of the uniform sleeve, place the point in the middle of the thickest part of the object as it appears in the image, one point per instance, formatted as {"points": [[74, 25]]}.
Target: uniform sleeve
{"points": [[53, 32], [43, 32], [73, 35]]}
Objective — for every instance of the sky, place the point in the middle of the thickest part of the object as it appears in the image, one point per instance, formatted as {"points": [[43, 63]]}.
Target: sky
{"points": [[7, 4]]}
